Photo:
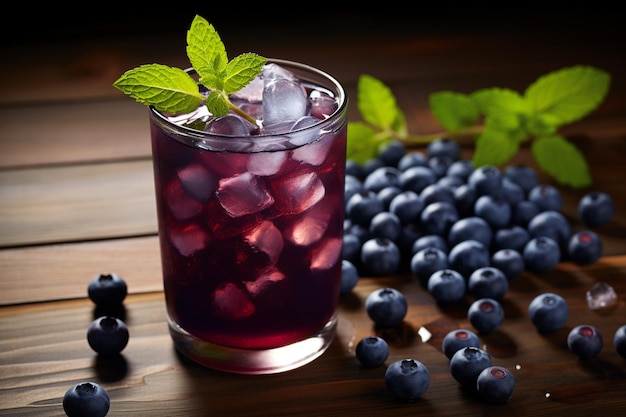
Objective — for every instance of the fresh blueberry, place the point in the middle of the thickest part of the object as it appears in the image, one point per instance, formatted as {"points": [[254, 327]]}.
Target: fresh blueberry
{"points": [[467, 256], [387, 194], [546, 197], [385, 176], [548, 312], [436, 192], [349, 276], [467, 363], [391, 152], [458, 339], [380, 256], [585, 247], [372, 351], [387, 307], [107, 290], [619, 341], [437, 218], [464, 199], [585, 341], [541, 254], [522, 212], [461, 168], [450, 182], [488, 282], [472, 227], [426, 241], [407, 379], [107, 335], [509, 261], [362, 206], [596, 208], [412, 159], [439, 165], [444, 147], [511, 191], [385, 225], [486, 315], [354, 169], [485, 179], [426, 262], [523, 175], [495, 384], [351, 247], [494, 209], [352, 185], [371, 165], [552, 224], [447, 286], [513, 237], [417, 178], [86, 399], [407, 206]]}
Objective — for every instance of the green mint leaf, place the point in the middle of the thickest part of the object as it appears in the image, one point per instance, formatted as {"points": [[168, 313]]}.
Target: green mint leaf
{"points": [[506, 108], [568, 94], [453, 111], [494, 147], [217, 104], [376, 102], [167, 89], [206, 51], [561, 160], [542, 124], [241, 70], [363, 142]]}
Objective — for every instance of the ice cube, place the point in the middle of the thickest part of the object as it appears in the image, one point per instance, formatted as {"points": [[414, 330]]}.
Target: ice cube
{"points": [[182, 205], [197, 181], [322, 105], [310, 227], [326, 254], [243, 194], [284, 100], [600, 296], [189, 239], [298, 193], [230, 125], [304, 137], [231, 302], [273, 71], [251, 93], [315, 152], [266, 163], [264, 281], [266, 238]]}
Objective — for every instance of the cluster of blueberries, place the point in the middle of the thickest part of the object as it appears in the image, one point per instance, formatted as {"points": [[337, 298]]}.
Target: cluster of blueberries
{"points": [[107, 335], [462, 230]]}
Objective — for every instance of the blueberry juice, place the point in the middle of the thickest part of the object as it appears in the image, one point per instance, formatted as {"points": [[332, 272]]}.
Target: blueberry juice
{"points": [[251, 222]]}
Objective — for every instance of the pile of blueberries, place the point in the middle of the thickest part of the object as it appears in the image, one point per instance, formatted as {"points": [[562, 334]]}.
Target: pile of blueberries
{"points": [[462, 230]]}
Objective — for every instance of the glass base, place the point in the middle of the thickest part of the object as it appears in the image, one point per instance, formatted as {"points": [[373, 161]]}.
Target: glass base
{"points": [[249, 361]]}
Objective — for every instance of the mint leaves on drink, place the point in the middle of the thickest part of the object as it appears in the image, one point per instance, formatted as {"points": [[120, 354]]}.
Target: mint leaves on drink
{"points": [[173, 90], [508, 120]]}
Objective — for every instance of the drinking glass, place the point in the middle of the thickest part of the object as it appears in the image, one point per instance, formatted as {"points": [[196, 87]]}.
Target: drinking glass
{"points": [[250, 232]]}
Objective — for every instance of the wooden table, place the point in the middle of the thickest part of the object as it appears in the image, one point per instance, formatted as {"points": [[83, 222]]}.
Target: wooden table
{"points": [[76, 200]]}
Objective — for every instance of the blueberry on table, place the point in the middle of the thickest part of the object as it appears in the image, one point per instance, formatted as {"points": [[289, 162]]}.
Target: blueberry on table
{"points": [[407, 379], [585, 341], [107, 335], [467, 256], [548, 312], [458, 339], [447, 147], [447, 286], [546, 197], [349, 276], [495, 384], [596, 208], [372, 351], [488, 282], [426, 262], [107, 290], [467, 363], [619, 341], [485, 179], [486, 315], [523, 175], [380, 256], [86, 399], [470, 228], [509, 261], [386, 307], [552, 224], [585, 248], [541, 254]]}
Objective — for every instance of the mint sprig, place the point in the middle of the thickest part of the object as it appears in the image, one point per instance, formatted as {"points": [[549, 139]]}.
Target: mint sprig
{"points": [[499, 120], [173, 90]]}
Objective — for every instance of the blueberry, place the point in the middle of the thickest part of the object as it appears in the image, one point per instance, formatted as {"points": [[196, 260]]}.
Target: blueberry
{"points": [[494, 209], [522, 212], [511, 192], [412, 159], [461, 168], [385, 176], [513, 237], [447, 286], [107, 335], [426, 262], [437, 218], [354, 169], [596, 208], [417, 178], [407, 206], [107, 290], [523, 175], [439, 165], [619, 341], [387, 194], [446, 147], [426, 241], [362, 206], [509, 261], [467, 363], [458, 339], [472, 227], [468, 256], [371, 165], [546, 197], [436, 192], [464, 200], [349, 276], [86, 399], [488, 282], [385, 225], [387, 307], [585, 247], [486, 315], [552, 224], [352, 185], [495, 384], [541, 254], [585, 341], [407, 379], [450, 182], [372, 351], [351, 247], [380, 256], [485, 179], [391, 152], [548, 312]]}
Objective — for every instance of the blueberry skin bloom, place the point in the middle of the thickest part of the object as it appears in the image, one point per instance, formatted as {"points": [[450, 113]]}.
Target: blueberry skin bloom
{"points": [[447, 286], [585, 341], [386, 307], [585, 248], [380, 256], [470, 228], [619, 341], [467, 363], [107, 335], [510, 262], [349, 277], [486, 315], [107, 290], [488, 282], [468, 256], [407, 379], [372, 351], [541, 254], [596, 209], [426, 262], [458, 339], [495, 384], [548, 312], [86, 399]]}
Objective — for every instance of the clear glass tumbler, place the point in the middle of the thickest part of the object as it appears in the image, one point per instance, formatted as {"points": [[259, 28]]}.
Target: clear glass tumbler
{"points": [[250, 231]]}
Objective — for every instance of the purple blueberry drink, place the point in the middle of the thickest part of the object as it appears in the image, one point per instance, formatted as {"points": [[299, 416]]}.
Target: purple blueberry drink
{"points": [[251, 222]]}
